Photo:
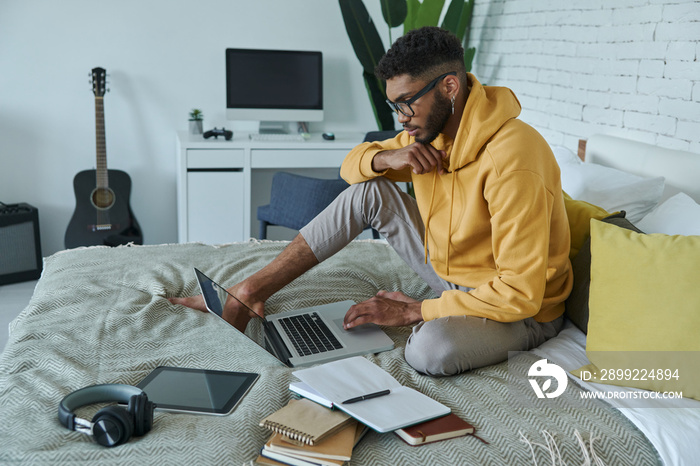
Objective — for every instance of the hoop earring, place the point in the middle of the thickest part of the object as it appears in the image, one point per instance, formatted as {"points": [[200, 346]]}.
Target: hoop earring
{"points": [[452, 100]]}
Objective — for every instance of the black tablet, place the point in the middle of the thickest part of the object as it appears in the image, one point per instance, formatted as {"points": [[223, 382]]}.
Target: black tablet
{"points": [[196, 390]]}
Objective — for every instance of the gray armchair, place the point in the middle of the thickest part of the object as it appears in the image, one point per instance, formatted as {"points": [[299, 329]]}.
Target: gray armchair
{"points": [[296, 199]]}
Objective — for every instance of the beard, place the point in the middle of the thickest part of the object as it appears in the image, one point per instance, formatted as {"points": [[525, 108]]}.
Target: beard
{"points": [[440, 112]]}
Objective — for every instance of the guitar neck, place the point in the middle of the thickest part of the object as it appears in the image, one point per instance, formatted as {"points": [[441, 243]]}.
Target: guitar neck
{"points": [[102, 179]]}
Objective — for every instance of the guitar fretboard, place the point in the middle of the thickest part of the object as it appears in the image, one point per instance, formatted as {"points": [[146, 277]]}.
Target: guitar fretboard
{"points": [[102, 194], [102, 180]]}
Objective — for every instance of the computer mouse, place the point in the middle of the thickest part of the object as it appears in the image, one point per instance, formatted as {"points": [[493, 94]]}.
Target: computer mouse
{"points": [[328, 136]]}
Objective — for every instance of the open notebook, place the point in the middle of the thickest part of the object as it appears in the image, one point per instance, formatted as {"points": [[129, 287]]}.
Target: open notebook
{"points": [[338, 381]]}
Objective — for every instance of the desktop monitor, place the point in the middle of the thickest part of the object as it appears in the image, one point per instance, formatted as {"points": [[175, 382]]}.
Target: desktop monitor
{"points": [[274, 85]]}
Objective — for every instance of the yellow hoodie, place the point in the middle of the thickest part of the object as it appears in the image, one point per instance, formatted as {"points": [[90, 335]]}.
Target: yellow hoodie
{"points": [[495, 221]]}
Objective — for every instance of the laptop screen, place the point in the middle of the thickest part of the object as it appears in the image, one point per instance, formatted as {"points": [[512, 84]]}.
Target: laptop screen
{"points": [[215, 298]]}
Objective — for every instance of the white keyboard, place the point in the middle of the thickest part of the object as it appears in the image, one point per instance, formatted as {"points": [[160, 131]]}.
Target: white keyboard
{"points": [[274, 137]]}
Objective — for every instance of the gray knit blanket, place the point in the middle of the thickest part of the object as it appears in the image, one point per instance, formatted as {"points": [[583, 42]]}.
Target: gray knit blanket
{"points": [[100, 315]]}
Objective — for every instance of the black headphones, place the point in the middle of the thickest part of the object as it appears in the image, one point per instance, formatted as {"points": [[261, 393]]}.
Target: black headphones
{"points": [[113, 425]]}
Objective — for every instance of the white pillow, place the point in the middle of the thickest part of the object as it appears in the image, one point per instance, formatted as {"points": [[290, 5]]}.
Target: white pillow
{"points": [[606, 187], [564, 155], [678, 215]]}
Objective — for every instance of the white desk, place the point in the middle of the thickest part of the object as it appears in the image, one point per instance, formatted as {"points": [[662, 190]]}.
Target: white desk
{"points": [[220, 183]]}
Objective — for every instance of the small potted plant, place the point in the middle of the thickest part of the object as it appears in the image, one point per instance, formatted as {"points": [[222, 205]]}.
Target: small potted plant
{"points": [[196, 117]]}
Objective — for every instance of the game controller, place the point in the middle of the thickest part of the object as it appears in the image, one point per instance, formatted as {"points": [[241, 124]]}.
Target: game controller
{"points": [[218, 132]]}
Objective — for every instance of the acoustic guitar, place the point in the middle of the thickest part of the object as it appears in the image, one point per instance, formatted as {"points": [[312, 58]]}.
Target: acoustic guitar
{"points": [[102, 214]]}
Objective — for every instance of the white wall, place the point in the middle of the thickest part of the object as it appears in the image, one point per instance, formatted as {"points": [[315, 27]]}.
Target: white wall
{"points": [[624, 67], [164, 57]]}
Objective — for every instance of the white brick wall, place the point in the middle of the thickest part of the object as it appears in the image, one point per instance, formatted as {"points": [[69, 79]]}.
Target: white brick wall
{"points": [[630, 68]]}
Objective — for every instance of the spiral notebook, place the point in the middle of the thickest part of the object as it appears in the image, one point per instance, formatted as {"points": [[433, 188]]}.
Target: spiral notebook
{"points": [[305, 421]]}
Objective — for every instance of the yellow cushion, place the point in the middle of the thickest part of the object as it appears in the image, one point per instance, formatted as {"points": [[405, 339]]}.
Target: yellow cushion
{"points": [[644, 310], [580, 214]]}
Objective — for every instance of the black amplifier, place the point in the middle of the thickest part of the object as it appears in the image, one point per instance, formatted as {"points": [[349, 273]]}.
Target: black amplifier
{"points": [[20, 244]]}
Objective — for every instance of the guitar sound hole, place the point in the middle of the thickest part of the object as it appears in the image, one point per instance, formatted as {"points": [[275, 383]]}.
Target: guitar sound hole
{"points": [[102, 198]]}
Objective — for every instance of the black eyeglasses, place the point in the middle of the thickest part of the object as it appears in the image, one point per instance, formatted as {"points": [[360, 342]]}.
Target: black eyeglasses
{"points": [[405, 105]]}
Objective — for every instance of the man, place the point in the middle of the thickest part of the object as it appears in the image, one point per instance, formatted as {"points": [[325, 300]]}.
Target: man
{"points": [[487, 229]]}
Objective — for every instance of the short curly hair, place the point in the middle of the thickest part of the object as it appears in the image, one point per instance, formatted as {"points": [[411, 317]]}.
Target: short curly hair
{"points": [[422, 53]]}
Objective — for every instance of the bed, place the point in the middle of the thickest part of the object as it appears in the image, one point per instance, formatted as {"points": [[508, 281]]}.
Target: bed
{"points": [[101, 315]]}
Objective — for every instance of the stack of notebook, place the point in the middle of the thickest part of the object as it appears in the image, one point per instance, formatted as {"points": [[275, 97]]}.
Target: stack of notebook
{"points": [[306, 433]]}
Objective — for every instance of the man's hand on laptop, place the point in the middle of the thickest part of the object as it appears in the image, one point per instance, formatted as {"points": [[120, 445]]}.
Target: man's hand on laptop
{"points": [[394, 309]]}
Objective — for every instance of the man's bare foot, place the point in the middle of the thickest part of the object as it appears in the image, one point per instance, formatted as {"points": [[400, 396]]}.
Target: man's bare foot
{"points": [[252, 292], [396, 296], [194, 302]]}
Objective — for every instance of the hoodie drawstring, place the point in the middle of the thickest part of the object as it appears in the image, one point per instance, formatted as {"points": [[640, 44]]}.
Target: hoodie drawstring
{"points": [[449, 225], [427, 220]]}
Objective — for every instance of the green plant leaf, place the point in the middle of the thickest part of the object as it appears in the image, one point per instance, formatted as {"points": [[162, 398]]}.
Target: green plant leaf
{"points": [[377, 95], [469, 57], [429, 13], [465, 22], [451, 21], [394, 12], [363, 34], [412, 7]]}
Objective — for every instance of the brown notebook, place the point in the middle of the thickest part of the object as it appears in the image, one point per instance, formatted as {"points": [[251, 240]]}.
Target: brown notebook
{"points": [[334, 447], [298, 457], [442, 428], [305, 421]]}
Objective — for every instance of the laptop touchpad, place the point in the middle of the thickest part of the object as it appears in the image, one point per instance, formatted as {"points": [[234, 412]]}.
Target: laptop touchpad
{"points": [[359, 330]]}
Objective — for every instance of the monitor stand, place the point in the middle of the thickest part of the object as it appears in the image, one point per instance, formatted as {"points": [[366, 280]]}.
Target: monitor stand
{"points": [[267, 127], [273, 127]]}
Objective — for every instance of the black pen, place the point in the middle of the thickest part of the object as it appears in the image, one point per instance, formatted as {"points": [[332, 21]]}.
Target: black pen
{"points": [[366, 397]]}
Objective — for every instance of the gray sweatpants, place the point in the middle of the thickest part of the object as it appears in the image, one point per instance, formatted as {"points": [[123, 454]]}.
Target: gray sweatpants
{"points": [[444, 346]]}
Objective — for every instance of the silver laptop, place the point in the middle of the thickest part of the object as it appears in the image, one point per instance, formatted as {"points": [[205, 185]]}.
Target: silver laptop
{"points": [[305, 336]]}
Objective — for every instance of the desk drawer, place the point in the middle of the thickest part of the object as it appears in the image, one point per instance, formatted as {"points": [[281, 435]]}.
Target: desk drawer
{"points": [[297, 158], [215, 158]]}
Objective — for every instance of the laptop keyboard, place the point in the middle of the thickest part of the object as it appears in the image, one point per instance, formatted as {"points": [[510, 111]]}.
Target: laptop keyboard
{"points": [[309, 334]]}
